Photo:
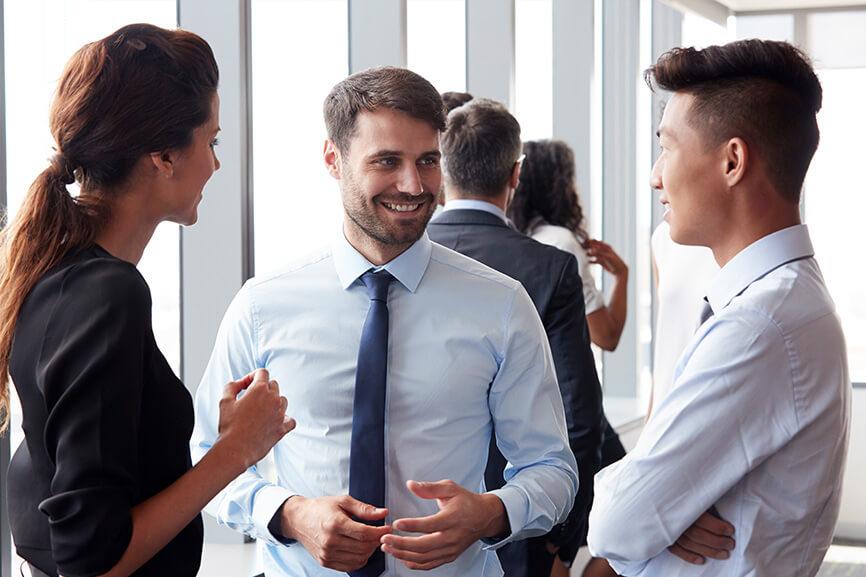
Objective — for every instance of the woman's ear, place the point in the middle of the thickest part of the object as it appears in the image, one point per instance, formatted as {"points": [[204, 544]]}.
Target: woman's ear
{"points": [[163, 162]]}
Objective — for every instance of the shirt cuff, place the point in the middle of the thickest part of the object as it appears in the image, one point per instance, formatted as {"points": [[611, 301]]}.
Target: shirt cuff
{"points": [[627, 569], [267, 501], [517, 509]]}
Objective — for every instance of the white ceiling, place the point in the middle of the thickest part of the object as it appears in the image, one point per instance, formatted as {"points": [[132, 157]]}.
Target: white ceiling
{"points": [[755, 5]]}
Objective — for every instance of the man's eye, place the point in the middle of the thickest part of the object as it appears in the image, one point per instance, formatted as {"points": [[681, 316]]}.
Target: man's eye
{"points": [[388, 161], [214, 142], [429, 162]]}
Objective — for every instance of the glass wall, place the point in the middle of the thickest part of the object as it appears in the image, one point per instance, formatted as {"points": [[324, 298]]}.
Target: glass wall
{"points": [[835, 202], [700, 32], [39, 37], [533, 68], [300, 49], [436, 42]]}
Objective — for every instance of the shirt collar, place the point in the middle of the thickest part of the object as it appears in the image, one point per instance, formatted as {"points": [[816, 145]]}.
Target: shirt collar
{"points": [[408, 267], [756, 260], [472, 204]]}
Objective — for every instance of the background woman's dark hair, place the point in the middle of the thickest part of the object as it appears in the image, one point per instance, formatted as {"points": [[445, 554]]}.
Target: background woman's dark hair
{"points": [[140, 90], [548, 188], [762, 91]]}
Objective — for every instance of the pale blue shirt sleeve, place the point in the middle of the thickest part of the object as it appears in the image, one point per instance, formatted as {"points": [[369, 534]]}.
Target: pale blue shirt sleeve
{"points": [[732, 407], [249, 502], [529, 421]]}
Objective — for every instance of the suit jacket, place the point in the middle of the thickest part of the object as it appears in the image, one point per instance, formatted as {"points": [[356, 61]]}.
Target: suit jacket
{"points": [[551, 278]]}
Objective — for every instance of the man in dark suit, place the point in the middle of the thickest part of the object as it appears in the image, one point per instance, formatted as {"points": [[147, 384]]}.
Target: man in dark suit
{"points": [[481, 148]]}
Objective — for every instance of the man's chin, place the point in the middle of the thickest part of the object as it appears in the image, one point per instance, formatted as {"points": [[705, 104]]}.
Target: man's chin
{"points": [[404, 237]]}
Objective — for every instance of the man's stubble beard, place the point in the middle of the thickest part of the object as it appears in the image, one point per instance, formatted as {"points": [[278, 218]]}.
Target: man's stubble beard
{"points": [[363, 215]]}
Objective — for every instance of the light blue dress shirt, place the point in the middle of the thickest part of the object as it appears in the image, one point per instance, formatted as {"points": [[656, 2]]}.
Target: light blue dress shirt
{"points": [[472, 204], [756, 424], [466, 351]]}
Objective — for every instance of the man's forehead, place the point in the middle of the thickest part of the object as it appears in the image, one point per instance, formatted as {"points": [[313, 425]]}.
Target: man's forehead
{"points": [[674, 113], [389, 117], [389, 129]]}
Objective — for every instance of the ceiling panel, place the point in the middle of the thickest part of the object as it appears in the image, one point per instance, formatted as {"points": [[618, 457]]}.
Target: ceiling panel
{"points": [[759, 5]]}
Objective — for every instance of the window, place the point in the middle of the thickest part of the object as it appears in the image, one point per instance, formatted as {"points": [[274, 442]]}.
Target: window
{"points": [[299, 51], [835, 202], [533, 68], [436, 42], [39, 38], [700, 32]]}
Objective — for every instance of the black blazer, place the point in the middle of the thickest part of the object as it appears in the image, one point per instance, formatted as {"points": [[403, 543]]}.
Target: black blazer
{"points": [[551, 278], [107, 423]]}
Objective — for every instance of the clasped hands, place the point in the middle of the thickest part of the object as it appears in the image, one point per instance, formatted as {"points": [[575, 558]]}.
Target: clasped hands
{"points": [[331, 529]]}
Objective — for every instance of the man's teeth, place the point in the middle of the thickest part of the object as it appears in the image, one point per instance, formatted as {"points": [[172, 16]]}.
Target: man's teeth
{"points": [[401, 207]]}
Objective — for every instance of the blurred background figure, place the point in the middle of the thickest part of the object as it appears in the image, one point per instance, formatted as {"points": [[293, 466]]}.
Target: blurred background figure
{"points": [[546, 207], [454, 99], [682, 274], [451, 100]]}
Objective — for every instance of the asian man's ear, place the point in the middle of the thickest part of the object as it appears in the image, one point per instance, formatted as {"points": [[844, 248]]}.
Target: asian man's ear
{"points": [[736, 158]]}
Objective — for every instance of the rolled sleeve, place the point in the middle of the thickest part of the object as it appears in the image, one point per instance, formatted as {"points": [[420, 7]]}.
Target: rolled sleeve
{"points": [[541, 475], [249, 502]]}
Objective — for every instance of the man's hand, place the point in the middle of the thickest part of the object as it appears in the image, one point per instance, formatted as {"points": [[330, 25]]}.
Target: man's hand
{"points": [[709, 536], [326, 529], [463, 518]]}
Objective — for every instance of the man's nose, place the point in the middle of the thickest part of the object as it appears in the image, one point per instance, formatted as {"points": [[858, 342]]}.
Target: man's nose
{"points": [[656, 176], [410, 180]]}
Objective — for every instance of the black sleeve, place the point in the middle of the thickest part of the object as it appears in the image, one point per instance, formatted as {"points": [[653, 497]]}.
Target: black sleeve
{"points": [[581, 393], [90, 372]]}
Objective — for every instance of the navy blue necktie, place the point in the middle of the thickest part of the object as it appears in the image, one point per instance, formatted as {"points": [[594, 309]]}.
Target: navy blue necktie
{"points": [[706, 313], [367, 459]]}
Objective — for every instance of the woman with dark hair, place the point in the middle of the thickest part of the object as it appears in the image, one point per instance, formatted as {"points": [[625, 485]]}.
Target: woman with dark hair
{"points": [[103, 483], [546, 207]]}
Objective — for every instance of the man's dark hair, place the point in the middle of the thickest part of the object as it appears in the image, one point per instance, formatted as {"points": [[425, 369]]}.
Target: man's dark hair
{"points": [[480, 146], [375, 88], [762, 91], [454, 99]]}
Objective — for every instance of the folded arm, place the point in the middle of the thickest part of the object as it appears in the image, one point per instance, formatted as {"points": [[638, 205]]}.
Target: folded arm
{"points": [[731, 408]]}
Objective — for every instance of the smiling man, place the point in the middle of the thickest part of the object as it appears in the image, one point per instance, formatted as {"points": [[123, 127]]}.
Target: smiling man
{"points": [[399, 358], [755, 428]]}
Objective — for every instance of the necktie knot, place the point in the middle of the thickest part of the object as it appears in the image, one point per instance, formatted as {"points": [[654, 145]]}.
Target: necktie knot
{"points": [[377, 284]]}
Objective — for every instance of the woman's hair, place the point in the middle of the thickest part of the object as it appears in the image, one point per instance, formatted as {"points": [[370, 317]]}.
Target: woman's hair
{"points": [[140, 90], [548, 188]]}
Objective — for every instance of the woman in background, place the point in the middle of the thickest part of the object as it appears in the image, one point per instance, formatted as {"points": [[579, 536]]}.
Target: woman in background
{"points": [[103, 484], [546, 207]]}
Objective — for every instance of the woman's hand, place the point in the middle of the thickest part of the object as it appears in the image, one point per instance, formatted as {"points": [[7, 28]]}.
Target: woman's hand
{"points": [[603, 254], [255, 422]]}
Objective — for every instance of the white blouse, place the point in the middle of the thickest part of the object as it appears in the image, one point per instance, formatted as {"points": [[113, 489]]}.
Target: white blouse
{"points": [[563, 239]]}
